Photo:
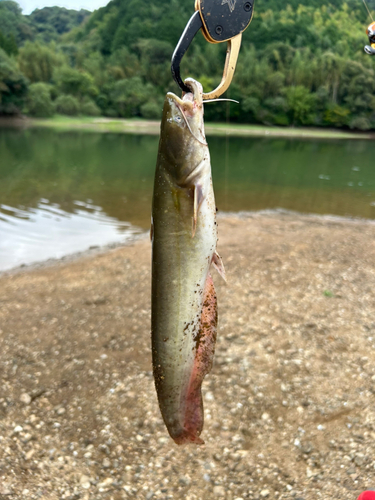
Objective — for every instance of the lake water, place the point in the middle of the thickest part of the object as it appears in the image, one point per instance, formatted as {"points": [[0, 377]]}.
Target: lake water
{"points": [[62, 192]]}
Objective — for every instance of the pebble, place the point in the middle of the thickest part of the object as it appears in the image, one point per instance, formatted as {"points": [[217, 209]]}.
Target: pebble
{"points": [[209, 396], [307, 448], [25, 398], [184, 480], [219, 491], [264, 493], [5, 489], [309, 473], [106, 463], [27, 437], [105, 484], [29, 454]]}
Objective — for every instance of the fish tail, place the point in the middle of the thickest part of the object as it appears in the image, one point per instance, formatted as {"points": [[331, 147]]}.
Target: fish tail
{"points": [[187, 437]]}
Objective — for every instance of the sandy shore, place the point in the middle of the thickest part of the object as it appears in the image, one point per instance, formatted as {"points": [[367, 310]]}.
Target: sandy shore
{"points": [[289, 404]]}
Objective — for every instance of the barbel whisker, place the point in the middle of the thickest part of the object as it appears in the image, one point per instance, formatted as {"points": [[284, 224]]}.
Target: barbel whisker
{"points": [[216, 100], [188, 126]]}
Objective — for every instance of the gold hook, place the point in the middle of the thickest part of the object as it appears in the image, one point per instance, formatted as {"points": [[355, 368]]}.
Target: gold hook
{"points": [[233, 49]]}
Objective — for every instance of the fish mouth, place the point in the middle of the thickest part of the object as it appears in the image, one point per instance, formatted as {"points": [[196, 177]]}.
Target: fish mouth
{"points": [[192, 101], [190, 105]]}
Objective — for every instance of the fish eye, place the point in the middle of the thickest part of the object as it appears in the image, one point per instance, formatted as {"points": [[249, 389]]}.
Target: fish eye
{"points": [[178, 119]]}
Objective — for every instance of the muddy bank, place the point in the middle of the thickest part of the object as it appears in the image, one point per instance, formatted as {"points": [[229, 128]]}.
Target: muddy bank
{"points": [[289, 404]]}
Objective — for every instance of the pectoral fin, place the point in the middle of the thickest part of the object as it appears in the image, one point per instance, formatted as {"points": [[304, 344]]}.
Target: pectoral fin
{"points": [[198, 198], [218, 265]]}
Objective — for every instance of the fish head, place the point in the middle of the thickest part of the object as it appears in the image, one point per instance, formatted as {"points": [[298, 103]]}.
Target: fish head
{"points": [[182, 131]]}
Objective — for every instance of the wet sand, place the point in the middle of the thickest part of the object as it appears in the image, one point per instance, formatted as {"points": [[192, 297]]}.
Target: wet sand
{"points": [[289, 404]]}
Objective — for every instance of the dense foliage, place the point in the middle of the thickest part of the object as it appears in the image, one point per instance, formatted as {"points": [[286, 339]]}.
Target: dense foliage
{"points": [[301, 62], [44, 25], [50, 22]]}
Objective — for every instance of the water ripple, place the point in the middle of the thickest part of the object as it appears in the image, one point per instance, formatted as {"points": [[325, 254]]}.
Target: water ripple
{"points": [[47, 231]]}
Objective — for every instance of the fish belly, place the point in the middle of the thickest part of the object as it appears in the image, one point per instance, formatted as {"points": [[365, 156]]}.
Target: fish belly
{"points": [[184, 312]]}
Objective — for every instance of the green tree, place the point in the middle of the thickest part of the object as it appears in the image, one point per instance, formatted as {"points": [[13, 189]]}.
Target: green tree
{"points": [[13, 87], [97, 67], [337, 116], [301, 105], [75, 82], [331, 67], [67, 105], [124, 64], [50, 22], [129, 95], [39, 102], [360, 123], [9, 44], [151, 110], [155, 57], [37, 62], [12, 22], [89, 108]]}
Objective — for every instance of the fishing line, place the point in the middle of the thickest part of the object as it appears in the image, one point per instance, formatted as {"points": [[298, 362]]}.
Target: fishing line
{"points": [[369, 13], [226, 172]]}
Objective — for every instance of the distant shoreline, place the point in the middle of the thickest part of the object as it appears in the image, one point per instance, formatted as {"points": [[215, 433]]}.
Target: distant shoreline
{"points": [[152, 127]]}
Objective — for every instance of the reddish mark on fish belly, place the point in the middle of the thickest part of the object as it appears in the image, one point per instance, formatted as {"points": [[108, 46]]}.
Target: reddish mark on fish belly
{"points": [[205, 339]]}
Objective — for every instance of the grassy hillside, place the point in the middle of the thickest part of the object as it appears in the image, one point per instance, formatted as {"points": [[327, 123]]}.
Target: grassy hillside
{"points": [[42, 24], [301, 63]]}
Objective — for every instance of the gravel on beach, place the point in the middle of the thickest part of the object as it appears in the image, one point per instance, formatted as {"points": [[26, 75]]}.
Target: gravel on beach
{"points": [[289, 403]]}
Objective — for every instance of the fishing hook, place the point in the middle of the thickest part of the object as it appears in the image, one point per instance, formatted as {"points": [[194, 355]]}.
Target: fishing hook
{"points": [[220, 21]]}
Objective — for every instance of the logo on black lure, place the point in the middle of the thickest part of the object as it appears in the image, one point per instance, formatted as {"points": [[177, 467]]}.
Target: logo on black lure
{"points": [[231, 4]]}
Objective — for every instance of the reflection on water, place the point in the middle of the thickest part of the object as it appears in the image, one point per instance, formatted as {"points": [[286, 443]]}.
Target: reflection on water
{"points": [[63, 192], [47, 231], [315, 176]]}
